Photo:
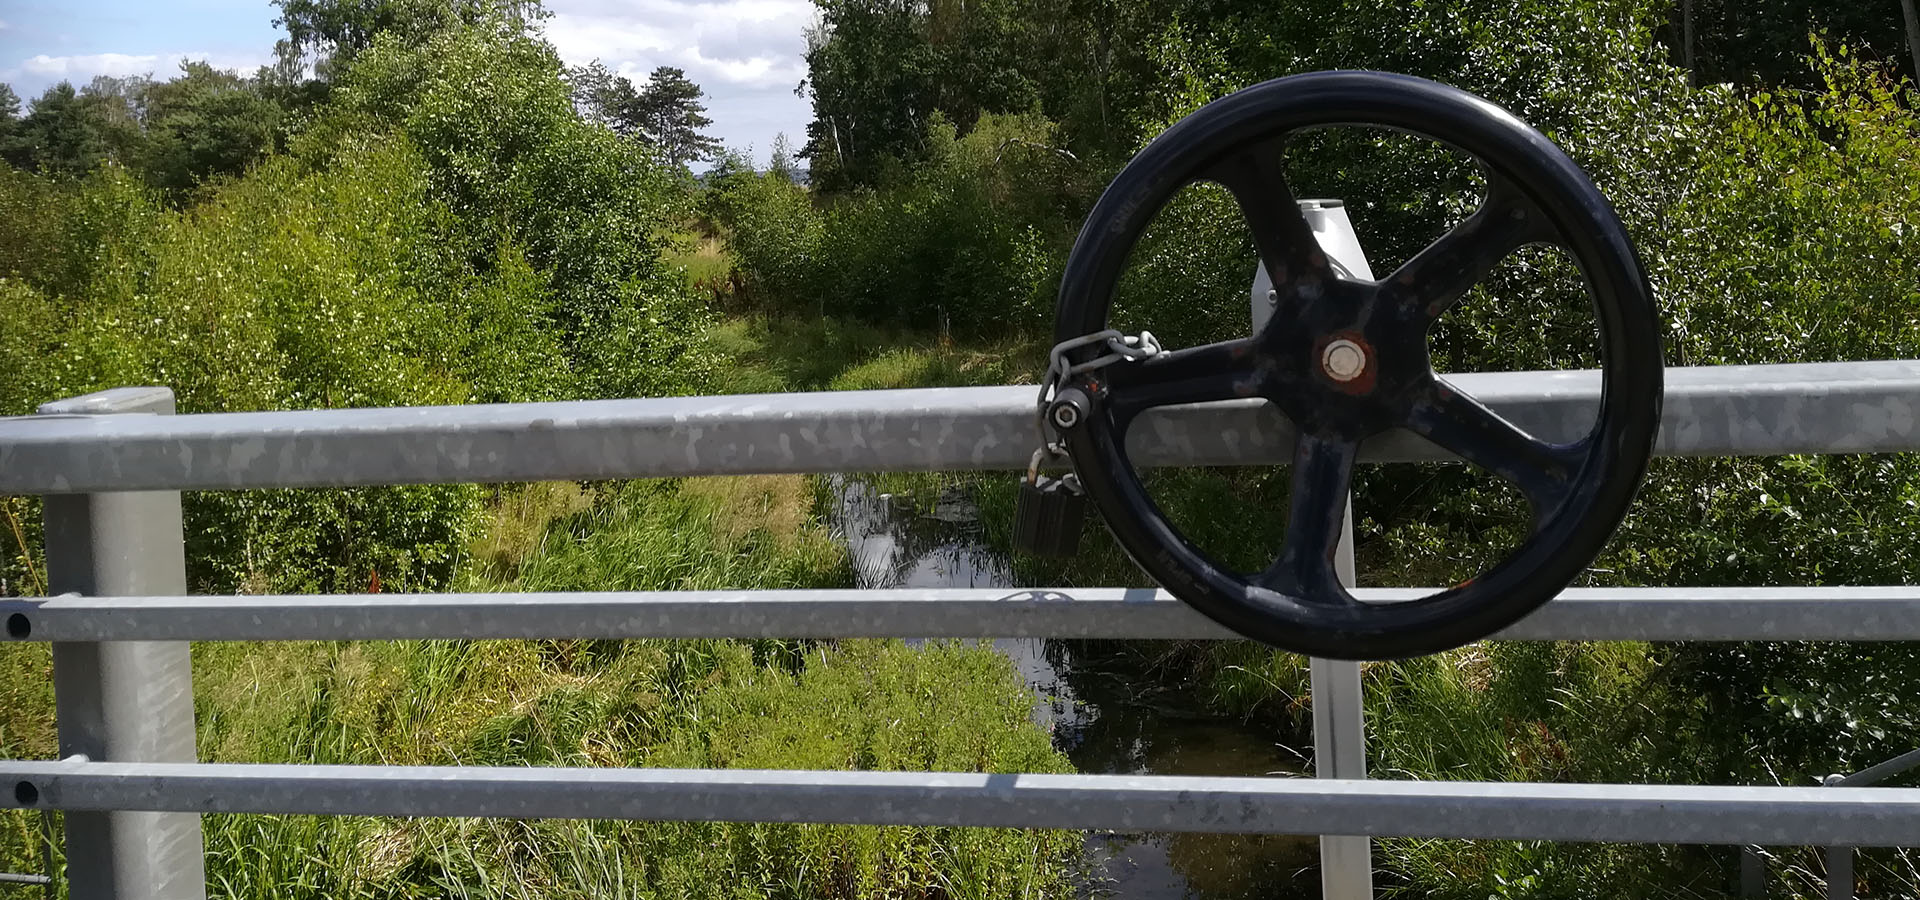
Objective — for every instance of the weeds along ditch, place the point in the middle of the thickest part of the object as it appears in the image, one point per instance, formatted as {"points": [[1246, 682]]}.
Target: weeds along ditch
{"points": [[727, 704], [1496, 711], [1100, 708]]}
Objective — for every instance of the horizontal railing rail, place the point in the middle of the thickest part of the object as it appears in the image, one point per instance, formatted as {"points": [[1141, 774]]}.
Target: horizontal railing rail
{"points": [[109, 464], [1579, 614], [1863, 407], [1679, 814]]}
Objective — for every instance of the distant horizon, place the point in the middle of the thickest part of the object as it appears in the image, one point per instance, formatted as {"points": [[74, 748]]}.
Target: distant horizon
{"points": [[745, 54]]}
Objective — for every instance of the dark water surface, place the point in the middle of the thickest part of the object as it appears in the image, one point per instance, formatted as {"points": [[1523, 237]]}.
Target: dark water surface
{"points": [[1108, 720]]}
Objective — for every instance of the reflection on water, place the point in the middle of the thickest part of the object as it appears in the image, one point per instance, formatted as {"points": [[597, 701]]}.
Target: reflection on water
{"points": [[1106, 721]]}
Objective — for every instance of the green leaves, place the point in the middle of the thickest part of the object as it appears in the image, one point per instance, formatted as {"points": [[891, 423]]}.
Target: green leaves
{"points": [[206, 122], [331, 34], [446, 231], [970, 241], [667, 113], [879, 73], [69, 132]]}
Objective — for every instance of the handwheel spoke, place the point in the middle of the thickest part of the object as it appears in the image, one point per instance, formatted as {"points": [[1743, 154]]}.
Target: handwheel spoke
{"points": [[1542, 471], [1435, 279], [1287, 247], [1322, 473], [1222, 371]]}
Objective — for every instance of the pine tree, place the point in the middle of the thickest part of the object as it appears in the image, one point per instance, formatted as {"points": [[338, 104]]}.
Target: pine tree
{"points": [[668, 114]]}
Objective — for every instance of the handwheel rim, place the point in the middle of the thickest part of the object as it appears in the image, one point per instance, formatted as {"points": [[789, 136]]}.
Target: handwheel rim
{"points": [[1614, 459]]}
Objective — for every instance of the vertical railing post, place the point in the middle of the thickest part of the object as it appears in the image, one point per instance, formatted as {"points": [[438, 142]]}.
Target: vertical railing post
{"points": [[124, 701], [1339, 704], [1339, 747], [1840, 859], [1839, 873], [1753, 873]]}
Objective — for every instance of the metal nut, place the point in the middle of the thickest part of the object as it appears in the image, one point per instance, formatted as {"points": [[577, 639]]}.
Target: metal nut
{"points": [[1065, 415]]}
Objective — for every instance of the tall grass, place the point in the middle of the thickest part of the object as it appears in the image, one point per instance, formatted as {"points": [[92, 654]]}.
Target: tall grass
{"points": [[26, 732], [727, 704]]}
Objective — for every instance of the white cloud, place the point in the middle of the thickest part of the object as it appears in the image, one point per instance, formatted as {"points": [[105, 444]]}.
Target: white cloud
{"points": [[82, 68], [746, 54], [115, 64], [755, 43]]}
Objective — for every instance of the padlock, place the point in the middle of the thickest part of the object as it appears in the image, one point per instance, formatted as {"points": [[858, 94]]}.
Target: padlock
{"points": [[1049, 515]]}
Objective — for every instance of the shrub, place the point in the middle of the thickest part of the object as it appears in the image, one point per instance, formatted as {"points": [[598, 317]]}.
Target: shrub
{"points": [[514, 165], [970, 241], [773, 231]]}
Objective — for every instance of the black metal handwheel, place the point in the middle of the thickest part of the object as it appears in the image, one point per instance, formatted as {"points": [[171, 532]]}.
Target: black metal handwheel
{"points": [[1347, 359]]}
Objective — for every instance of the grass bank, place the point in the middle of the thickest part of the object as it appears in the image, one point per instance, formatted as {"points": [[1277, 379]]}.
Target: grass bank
{"points": [[875, 705]]}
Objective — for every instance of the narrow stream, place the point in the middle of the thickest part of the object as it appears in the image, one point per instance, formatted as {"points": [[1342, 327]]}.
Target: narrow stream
{"points": [[1106, 720]]}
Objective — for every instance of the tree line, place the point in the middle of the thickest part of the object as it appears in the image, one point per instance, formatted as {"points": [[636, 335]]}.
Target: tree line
{"points": [[206, 122], [878, 70]]}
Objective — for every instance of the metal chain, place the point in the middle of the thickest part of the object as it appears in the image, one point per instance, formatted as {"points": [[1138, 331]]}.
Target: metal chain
{"points": [[1120, 346]]}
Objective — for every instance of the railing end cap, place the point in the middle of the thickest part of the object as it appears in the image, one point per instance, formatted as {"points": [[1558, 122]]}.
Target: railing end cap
{"points": [[148, 399]]}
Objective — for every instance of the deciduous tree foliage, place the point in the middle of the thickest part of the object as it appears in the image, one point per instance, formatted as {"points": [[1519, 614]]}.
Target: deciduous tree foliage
{"points": [[205, 122], [1766, 43], [1777, 216], [603, 96], [445, 229], [328, 34], [878, 69], [444, 216]]}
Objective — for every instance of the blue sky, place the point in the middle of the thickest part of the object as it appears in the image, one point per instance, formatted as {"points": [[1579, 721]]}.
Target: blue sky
{"points": [[745, 53]]}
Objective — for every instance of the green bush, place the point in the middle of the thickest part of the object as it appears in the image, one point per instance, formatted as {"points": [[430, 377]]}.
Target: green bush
{"points": [[281, 291], [970, 242], [1776, 228], [60, 237], [1789, 240], [773, 232], [514, 165]]}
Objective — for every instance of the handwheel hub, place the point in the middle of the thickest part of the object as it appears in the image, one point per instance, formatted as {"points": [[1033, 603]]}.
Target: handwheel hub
{"points": [[1343, 360]]}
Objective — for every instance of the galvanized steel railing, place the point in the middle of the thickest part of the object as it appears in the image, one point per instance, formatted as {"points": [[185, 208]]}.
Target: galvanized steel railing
{"points": [[112, 464]]}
